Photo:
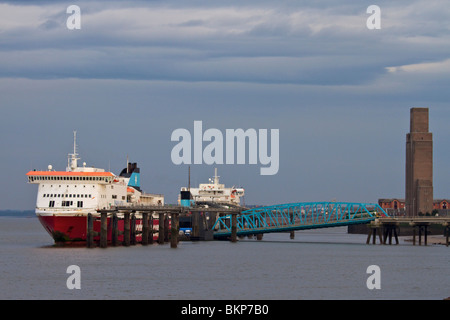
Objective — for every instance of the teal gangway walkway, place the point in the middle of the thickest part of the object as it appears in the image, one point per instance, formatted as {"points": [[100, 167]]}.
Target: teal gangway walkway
{"points": [[298, 216]]}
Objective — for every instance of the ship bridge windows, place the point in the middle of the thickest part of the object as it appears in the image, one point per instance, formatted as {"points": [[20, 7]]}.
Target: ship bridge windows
{"points": [[68, 178], [61, 195], [67, 203]]}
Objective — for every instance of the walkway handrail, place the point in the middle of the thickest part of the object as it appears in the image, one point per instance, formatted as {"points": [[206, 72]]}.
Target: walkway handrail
{"points": [[301, 215]]}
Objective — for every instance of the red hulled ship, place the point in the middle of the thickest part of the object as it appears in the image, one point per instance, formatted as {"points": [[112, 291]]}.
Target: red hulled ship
{"points": [[65, 198]]}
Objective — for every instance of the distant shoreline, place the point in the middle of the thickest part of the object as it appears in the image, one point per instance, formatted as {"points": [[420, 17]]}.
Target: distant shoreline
{"points": [[17, 213]]}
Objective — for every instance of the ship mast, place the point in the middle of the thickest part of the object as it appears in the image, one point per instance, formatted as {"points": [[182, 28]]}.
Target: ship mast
{"points": [[216, 178], [72, 159]]}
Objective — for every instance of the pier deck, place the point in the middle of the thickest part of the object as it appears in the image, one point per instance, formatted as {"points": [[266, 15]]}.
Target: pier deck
{"points": [[388, 226]]}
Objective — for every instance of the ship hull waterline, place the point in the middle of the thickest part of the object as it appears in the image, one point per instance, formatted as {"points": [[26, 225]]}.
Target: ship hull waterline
{"points": [[73, 229]]}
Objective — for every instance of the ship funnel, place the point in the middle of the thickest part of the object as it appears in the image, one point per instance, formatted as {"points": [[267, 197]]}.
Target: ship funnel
{"points": [[133, 173]]}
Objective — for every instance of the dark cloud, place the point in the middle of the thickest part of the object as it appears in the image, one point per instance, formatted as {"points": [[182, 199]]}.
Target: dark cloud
{"points": [[264, 43], [339, 93]]}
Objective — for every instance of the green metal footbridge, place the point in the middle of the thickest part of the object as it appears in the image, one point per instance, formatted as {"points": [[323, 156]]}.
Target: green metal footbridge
{"points": [[297, 216]]}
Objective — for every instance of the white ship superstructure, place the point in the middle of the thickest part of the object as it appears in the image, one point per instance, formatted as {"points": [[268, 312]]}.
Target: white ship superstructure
{"points": [[214, 191], [65, 195]]}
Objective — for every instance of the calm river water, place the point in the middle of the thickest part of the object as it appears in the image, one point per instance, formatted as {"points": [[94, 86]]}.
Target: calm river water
{"points": [[318, 264]]}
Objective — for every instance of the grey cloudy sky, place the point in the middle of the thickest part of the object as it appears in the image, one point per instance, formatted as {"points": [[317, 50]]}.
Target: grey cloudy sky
{"points": [[338, 92]]}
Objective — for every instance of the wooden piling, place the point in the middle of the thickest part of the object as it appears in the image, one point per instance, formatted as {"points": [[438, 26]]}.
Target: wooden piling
{"points": [[291, 221], [395, 235], [380, 236], [195, 225], [126, 229], [115, 230], [166, 228], [385, 234], [133, 230], [144, 240], [103, 230], [259, 236], [420, 235], [374, 235], [161, 228], [426, 234], [446, 233], [389, 230], [373, 227], [90, 231], [174, 230], [150, 235], [233, 227]]}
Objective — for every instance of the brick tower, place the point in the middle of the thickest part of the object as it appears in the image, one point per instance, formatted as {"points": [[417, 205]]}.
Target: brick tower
{"points": [[419, 164]]}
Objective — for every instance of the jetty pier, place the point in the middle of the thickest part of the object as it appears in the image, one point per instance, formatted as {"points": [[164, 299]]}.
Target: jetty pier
{"points": [[387, 228], [168, 217], [216, 222]]}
